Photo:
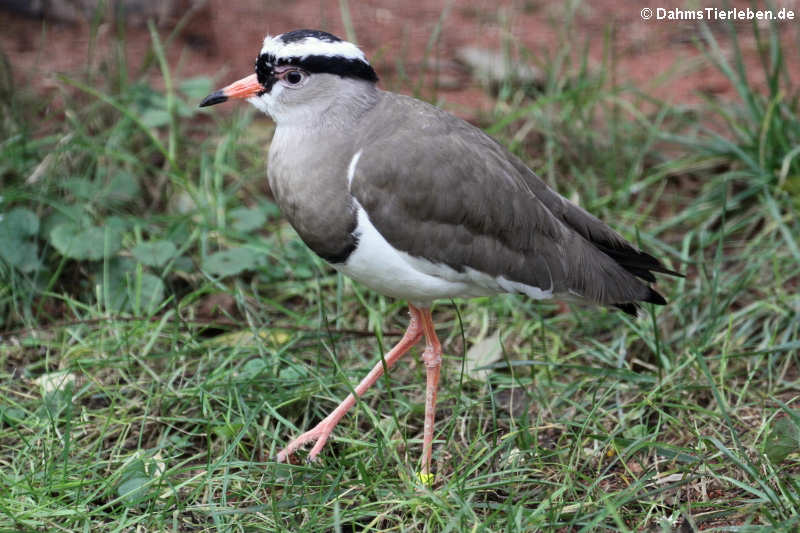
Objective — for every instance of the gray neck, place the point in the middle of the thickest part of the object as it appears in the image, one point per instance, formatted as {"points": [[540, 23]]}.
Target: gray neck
{"points": [[339, 104], [308, 161]]}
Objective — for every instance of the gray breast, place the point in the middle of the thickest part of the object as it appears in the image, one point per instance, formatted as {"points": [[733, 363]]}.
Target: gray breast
{"points": [[308, 175]]}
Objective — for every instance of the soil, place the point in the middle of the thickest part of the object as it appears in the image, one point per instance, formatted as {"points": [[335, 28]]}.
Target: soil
{"points": [[222, 37]]}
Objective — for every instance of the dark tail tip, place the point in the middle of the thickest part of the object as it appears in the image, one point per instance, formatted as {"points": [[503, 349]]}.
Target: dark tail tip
{"points": [[632, 308], [654, 297]]}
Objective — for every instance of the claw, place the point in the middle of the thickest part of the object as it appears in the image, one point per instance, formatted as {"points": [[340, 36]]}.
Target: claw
{"points": [[319, 435]]}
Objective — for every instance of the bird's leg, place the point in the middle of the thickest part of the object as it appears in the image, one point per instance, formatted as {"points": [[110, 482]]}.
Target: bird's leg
{"points": [[432, 357], [322, 431]]}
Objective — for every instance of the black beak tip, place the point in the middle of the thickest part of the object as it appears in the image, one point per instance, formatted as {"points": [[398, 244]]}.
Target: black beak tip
{"points": [[213, 99]]}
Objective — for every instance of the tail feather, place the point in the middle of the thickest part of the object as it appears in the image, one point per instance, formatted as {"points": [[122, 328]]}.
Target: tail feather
{"points": [[638, 263], [632, 308], [608, 242], [655, 297]]}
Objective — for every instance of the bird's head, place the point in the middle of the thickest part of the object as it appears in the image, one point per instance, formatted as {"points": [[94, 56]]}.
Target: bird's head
{"points": [[300, 72]]}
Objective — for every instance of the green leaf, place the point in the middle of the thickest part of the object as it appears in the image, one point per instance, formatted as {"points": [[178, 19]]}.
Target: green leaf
{"points": [[271, 210], [228, 430], [122, 187], [253, 368], [155, 118], [637, 431], [74, 214], [196, 88], [18, 248], [81, 188], [154, 253], [184, 264], [133, 490], [12, 416], [792, 186], [127, 291], [117, 224], [151, 292], [230, 262], [86, 243], [292, 373], [20, 221], [783, 439], [247, 219]]}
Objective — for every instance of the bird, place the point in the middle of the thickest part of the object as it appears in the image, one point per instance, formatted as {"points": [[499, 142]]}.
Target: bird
{"points": [[418, 204]]}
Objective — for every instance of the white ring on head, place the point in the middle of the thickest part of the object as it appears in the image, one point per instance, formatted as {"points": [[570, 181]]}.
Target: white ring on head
{"points": [[311, 46]]}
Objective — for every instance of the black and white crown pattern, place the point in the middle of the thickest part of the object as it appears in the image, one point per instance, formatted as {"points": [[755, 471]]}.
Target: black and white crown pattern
{"points": [[314, 51]]}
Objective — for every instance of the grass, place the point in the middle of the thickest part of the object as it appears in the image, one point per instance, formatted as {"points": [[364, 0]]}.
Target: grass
{"points": [[164, 332]]}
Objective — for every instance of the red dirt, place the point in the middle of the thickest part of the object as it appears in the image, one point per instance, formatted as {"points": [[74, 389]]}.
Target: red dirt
{"points": [[223, 38]]}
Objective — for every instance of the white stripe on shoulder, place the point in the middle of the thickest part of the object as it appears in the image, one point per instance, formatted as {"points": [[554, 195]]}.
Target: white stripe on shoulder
{"points": [[311, 46], [351, 168]]}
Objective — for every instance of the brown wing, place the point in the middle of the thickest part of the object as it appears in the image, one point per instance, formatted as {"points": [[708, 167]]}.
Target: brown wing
{"points": [[458, 197]]}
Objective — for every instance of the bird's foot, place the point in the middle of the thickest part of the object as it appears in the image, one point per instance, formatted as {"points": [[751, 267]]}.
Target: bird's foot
{"points": [[318, 434]]}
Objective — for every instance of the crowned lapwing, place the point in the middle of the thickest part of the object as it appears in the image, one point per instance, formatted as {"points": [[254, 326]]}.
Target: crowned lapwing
{"points": [[417, 204]]}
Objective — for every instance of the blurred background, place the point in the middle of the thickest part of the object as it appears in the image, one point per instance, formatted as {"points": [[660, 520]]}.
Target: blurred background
{"points": [[439, 44], [163, 331]]}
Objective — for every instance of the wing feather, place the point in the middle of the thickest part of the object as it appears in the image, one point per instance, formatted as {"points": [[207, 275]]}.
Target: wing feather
{"points": [[459, 198]]}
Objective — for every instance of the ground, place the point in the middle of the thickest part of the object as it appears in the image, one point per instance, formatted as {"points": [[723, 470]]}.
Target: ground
{"points": [[222, 39], [163, 332]]}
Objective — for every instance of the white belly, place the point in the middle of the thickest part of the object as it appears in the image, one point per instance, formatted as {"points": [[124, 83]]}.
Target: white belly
{"points": [[387, 270]]}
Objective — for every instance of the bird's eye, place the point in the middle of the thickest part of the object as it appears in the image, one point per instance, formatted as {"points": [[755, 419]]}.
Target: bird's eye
{"points": [[294, 78]]}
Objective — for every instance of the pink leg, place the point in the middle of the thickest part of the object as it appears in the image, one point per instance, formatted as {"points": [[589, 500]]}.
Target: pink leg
{"points": [[432, 357], [322, 431]]}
